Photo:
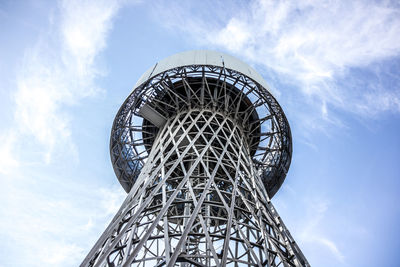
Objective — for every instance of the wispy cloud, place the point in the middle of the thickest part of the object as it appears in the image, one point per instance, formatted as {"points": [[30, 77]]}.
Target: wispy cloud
{"points": [[332, 247], [60, 70], [312, 44], [55, 73], [311, 235], [8, 160], [47, 219], [311, 229]]}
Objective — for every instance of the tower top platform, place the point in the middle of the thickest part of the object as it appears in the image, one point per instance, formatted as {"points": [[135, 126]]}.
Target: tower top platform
{"points": [[202, 80], [202, 57]]}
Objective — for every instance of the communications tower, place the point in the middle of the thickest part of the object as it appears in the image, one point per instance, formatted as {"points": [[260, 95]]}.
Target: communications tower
{"points": [[201, 146]]}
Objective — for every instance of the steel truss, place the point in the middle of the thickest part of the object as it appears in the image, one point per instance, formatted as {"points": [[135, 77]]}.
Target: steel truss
{"points": [[200, 165]]}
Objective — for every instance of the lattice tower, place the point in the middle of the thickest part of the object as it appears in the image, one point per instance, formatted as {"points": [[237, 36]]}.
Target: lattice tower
{"points": [[201, 146]]}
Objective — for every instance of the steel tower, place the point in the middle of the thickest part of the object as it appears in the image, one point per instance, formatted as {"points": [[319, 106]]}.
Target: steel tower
{"points": [[201, 146]]}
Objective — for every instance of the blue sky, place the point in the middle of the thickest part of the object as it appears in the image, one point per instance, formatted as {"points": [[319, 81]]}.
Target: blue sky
{"points": [[67, 66]]}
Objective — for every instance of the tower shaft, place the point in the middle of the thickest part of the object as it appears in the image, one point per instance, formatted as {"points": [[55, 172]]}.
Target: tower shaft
{"points": [[199, 201]]}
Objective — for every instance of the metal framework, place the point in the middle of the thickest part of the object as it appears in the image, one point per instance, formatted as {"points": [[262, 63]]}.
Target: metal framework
{"points": [[201, 149]]}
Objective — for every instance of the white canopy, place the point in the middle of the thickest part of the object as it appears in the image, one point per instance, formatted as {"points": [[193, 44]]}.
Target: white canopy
{"points": [[202, 57]]}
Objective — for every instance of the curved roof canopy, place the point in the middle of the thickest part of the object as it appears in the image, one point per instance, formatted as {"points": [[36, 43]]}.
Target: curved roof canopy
{"points": [[202, 57]]}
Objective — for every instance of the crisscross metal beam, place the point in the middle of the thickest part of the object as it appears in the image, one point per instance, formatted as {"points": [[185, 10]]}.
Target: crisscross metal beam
{"points": [[200, 149]]}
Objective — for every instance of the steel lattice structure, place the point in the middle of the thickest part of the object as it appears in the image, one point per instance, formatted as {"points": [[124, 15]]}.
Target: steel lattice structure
{"points": [[201, 146]]}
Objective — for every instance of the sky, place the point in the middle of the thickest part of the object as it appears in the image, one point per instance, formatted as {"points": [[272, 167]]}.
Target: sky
{"points": [[67, 66]]}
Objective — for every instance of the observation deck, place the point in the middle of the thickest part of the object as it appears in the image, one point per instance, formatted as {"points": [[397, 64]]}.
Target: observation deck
{"points": [[202, 80]]}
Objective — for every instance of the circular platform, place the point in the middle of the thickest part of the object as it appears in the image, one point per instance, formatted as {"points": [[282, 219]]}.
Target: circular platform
{"points": [[202, 80]]}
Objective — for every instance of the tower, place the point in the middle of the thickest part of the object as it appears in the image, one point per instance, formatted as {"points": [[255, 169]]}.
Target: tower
{"points": [[201, 146]]}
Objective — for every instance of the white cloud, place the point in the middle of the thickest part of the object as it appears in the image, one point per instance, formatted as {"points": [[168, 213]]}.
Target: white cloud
{"points": [[311, 44], [384, 101], [59, 71], [47, 218], [59, 253], [111, 201], [42, 215], [312, 230], [332, 248], [311, 234], [8, 159]]}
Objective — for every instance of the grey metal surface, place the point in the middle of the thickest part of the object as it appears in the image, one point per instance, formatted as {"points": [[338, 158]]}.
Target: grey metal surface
{"points": [[201, 149]]}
